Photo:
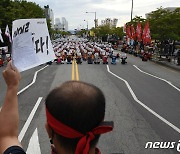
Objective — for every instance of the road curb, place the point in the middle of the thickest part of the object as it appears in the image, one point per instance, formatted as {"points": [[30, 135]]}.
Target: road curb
{"points": [[177, 68]]}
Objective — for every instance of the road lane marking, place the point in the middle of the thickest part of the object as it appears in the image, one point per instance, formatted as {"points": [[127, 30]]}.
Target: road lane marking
{"points": [[33, 81], [168, 82], [77, 72], [28, 121], [143, 105], [73, 70], [34, 146]]}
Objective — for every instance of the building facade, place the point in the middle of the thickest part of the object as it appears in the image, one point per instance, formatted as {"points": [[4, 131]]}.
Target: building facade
{"points": [[58, 25], [61, 25], [110, 22], [64, 24]]}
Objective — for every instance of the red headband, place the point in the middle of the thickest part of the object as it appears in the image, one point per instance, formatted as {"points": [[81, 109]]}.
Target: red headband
{"points": [[66, 131]]}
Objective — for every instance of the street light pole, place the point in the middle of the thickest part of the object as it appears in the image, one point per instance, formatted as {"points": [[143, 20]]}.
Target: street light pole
{"points": [[95, 17], [87, 24], [132, 10], [95, 20]]}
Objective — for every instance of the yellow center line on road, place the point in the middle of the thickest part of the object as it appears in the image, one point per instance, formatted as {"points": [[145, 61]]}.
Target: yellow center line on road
{"points": [[75, 71]]}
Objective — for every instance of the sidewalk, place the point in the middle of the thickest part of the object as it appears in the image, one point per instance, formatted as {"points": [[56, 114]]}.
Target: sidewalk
{"points": [[163, 62], [171, 64]]}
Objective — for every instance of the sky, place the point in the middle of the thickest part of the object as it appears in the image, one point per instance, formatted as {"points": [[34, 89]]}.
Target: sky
{"points": [[75, 10]]}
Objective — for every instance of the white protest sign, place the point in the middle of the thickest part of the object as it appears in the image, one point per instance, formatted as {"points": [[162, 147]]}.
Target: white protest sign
{"points": [[39, 38], [23, 53]]}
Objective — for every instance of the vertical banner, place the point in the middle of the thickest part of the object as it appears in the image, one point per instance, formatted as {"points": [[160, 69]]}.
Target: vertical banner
{"points": [[31, 43], [138, 31], [1, 39], [7, 33], [146, 34], [133, 32], [128, 35]]}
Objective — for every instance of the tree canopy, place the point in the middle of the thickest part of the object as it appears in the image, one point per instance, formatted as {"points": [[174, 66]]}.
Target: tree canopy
{"points": [[106, 30], [17, 9], [165, 24]]}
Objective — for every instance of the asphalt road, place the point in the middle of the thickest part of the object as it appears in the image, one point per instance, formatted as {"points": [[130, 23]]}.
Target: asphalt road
{"points": [[135, 125]]}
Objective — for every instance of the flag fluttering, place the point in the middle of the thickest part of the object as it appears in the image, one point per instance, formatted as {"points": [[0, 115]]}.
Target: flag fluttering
{"points": [[146, 34], [128, 32], [1, 39], [133, 35], [92, 33], [7, 33], [138, 31]]}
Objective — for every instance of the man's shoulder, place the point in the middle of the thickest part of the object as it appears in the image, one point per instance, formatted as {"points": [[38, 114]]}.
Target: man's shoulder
{"points": [[14, 150]]}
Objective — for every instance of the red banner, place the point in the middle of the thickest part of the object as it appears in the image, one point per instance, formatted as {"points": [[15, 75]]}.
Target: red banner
{"points": [[138, 31], [128, 32], [133, 32], [146, 34]]}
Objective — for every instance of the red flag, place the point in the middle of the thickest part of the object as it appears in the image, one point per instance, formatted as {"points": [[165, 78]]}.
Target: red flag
{"points": [[128, 33], [143, 34], [133, 32], [146, 34], [138, 31]]}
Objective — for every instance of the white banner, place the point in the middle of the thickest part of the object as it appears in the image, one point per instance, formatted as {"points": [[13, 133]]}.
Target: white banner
{"points": [[1, 39], [7, 33], [31, 43]]}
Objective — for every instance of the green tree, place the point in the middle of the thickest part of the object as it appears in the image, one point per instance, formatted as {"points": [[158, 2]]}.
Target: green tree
{"points": [[4, 4], [165, 24], [105, 30], [135, 20], [118, 32], [17, 9]]}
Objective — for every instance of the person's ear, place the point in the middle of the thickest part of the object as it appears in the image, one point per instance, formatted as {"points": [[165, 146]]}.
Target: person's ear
{"points": [[49, 130]]}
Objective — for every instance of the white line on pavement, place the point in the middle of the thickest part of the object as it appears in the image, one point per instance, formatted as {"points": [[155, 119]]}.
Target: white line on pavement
{"points": [[28, 121], [143, 105], [33, 81], [34, 146], [168, 82]]}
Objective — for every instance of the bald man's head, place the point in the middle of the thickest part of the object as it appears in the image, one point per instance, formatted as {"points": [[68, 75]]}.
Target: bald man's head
{"points": [[77, 104]]}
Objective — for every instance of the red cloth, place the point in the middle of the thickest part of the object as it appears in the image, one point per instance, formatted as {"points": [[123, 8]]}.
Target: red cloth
{"points": [[138, 31], [146, 34], [85, 139], [1, 62], [133, 35], [128, 33]]}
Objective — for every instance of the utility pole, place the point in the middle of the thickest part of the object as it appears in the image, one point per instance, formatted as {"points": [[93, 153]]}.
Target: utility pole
{"points": [[95, 20], [131, 10]]}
